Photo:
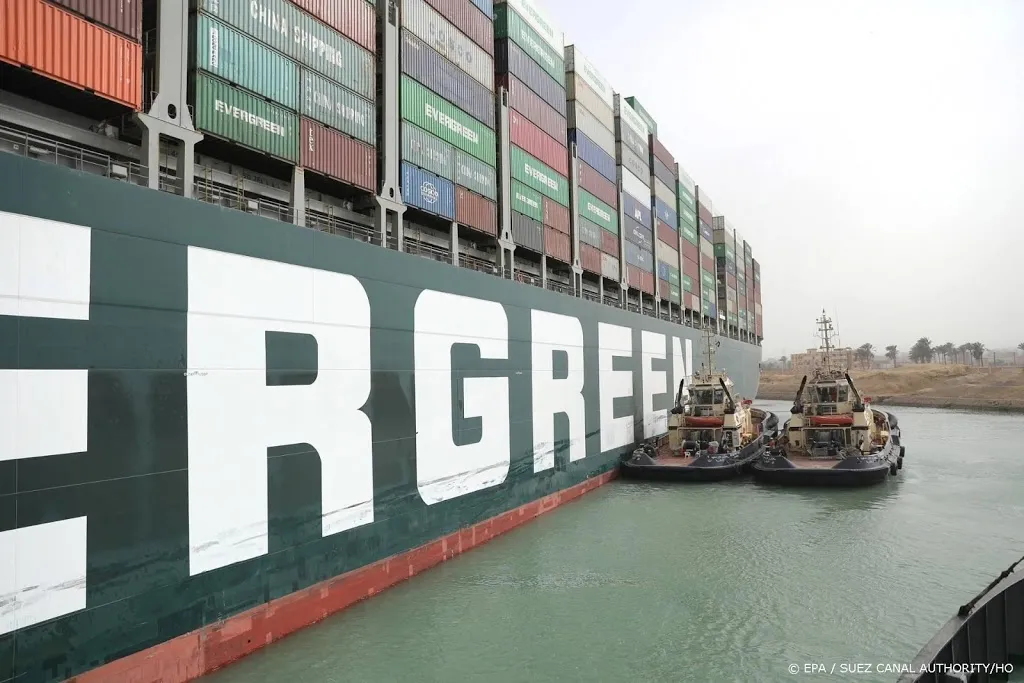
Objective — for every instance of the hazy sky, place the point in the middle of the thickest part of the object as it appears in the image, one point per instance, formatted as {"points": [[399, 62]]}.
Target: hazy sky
{"points": [[871, 151]]}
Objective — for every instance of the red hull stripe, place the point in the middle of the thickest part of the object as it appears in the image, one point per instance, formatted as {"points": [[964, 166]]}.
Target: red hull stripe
{"points": [[200, 652]]}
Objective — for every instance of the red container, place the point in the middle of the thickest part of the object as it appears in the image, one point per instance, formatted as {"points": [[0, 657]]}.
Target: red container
{"points": [[597, 185], [609, 243], [123, 16], [557, 246], [337, 156], [730, 280], [356, 19], [475, 211], [556, 215], [530, 105], [691, 252], [706, 262], [662, 153], [693, 302], [590, 258], [69, 49], [667, 234], [633, 276], [647, 282], [529, 137], [705, 214], [477, 26], [691, 269], [664, 289]]}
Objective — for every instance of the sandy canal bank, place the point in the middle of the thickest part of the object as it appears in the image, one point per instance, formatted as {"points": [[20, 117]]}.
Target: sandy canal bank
{"points": [[929, 385]]}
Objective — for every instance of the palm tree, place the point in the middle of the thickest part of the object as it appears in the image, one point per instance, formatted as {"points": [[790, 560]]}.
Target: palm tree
{"points": [[891, 352], [922, 351], [964, 349], [865, 353], [945, 350], [978, 351]]}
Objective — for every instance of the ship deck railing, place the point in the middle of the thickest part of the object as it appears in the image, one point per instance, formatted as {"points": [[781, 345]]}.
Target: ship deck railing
{"points": [[207, 189]]}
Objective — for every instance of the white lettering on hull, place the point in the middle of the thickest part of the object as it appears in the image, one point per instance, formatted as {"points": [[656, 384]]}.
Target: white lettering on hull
{"points": [[234, 417], [550, 333], [652, 346], [614, 341], [444, 469], [682, 366], [45, 269]]}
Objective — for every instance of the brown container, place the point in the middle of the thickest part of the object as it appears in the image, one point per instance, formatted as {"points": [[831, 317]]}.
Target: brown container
{"points": [[659, 151], [597, 185], [590, 258], [692, 270], [529, 137], [356, 19], [704, 213], [610, 243], [69, 49], [477, 26], [337, 156], [556, 245], [475, 211], [730, 280], [664, 289], [667, 234], [556, 216], [530, 105], [706, 262], [123, 16], [691, 252]]}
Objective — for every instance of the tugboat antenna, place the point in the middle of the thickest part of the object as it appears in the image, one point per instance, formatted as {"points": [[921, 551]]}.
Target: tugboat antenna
{"points": [[825, 330], [709, 350]]}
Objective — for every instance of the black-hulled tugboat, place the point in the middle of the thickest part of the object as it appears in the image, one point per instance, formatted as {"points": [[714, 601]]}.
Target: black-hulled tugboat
{"points": [[713, 434], [833, 436]]}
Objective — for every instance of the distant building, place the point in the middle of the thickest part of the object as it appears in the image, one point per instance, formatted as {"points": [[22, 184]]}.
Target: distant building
{"points": [[805, 362]]}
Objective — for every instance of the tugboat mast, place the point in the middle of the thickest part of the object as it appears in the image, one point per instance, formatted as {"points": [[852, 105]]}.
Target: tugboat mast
{"points": [[825, 331], [709, 352]]}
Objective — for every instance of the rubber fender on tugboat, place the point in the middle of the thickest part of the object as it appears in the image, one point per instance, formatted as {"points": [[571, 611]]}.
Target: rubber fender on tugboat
{"points": [[899, 463], [893, 468], [903, 451]]}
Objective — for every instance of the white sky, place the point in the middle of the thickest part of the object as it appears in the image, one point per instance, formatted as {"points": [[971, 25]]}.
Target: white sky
{"points": [[871, 151]]}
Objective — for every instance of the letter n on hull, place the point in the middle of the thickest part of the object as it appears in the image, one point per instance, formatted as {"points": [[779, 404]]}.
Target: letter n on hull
{"points": [[235, 414]]}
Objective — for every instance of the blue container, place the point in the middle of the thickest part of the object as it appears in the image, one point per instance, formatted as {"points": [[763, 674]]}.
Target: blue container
{"points": [[428, 192], [712, 310], [706, 233], [639, 257], [637, 211], [730, 268], [595, 157], [638, 234], [666, 214], [663, 270]]}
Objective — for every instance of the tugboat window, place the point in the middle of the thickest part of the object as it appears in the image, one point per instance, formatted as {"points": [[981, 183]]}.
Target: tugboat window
{"points": [[719, 396]]}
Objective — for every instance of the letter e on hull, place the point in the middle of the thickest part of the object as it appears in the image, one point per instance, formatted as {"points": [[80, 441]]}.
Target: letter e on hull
{"points": [[234, 416], [614, 341], [444, 469]]}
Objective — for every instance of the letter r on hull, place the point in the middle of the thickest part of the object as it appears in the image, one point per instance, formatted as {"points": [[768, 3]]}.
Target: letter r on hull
{"points": [[45, 272], [553, 332], [234, 417]]}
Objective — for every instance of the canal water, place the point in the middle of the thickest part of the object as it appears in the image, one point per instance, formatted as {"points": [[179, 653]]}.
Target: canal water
{"points": [[725, 582]]}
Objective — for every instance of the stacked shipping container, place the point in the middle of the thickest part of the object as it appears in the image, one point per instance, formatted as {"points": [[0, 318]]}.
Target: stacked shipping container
{"points": [[93, 46], [758, 323], [632, 152], [448, 139], [694, 248], [591, 121], [259, 86], [725, 257], [528, 54], [741, 284]]}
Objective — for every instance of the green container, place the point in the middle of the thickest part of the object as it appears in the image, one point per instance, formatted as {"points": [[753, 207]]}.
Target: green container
{"points": [[685, 197], [674, 294], [719, 249], [730, 254], [687, 216], [690, 234], [327, 102], [527, 201], [673, 276], [688, 284], [422, 149], [651, 125], [476, 175], [233, 114], [289, 30], [508, 24], [596, 211], [238, 59], [446, 121], [541, 177], [707, 279]]}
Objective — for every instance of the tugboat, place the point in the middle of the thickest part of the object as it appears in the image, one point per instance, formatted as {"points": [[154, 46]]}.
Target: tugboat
{"points": [[713, 434], [833, 436]]}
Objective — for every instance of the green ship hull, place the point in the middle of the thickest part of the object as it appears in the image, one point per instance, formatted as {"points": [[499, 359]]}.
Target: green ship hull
{"points": [[226, 428]]}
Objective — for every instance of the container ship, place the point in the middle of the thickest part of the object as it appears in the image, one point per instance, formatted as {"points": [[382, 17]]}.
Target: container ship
{"points": [[503, 274]]}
